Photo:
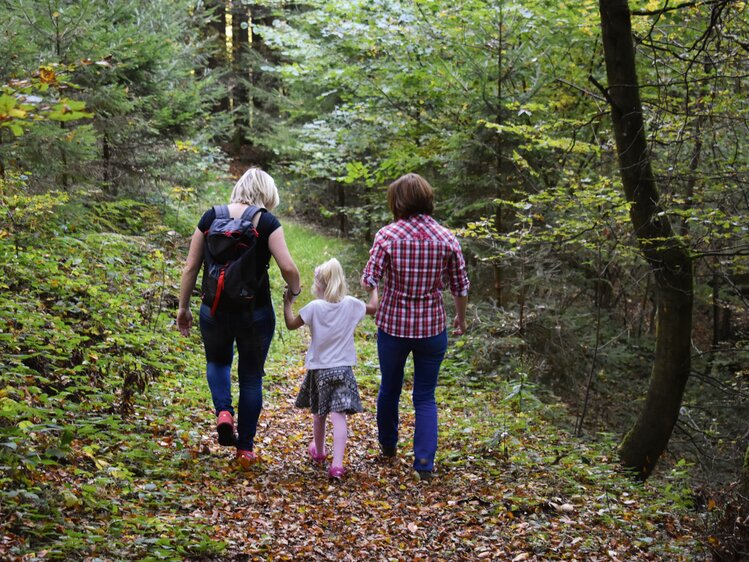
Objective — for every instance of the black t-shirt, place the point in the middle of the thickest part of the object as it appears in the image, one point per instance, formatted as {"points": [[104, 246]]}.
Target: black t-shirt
{"points": [[267, 224]]}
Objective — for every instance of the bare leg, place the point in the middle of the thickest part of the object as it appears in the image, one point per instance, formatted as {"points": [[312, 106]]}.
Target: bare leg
{"points": [[340, 434], [318, 432]]}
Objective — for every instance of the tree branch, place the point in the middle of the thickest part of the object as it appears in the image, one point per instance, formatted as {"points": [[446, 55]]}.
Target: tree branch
{"points": [[603, 90], [666, 9]]}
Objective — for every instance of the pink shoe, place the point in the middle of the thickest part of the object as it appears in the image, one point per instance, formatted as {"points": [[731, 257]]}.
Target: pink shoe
{"points": [[225, 429], [246, 458], [312, 452], [336, 472]]}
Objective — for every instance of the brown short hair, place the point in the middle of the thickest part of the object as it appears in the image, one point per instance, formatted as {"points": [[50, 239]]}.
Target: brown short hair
{"points": [[410, 195]]}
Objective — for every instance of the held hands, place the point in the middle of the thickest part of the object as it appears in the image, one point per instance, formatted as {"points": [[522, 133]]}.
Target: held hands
{"points": [[289, 296], [290, 319], [184, 321]]}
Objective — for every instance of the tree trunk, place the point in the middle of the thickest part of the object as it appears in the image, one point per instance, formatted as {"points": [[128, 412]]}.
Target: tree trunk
{"points": [[240, 23], [499, 149], [106, 156], [2, 165], [666, 255], [218, 59], [341, 209]]}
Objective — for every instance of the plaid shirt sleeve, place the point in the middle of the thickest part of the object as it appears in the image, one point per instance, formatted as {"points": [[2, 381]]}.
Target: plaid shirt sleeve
{"points": [[375, 267], [458, 276]]}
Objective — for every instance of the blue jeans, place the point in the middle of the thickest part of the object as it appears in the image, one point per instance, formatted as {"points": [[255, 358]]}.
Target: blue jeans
{"points": [[252, 331], [427, 358]]}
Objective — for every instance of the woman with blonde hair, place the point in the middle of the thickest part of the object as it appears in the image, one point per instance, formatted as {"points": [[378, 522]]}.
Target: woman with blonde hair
{"points": [[247, 324], [329, 388]]}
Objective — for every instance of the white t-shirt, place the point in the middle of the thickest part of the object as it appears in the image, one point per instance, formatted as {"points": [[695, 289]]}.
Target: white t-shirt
{"points": [[332, 325]]}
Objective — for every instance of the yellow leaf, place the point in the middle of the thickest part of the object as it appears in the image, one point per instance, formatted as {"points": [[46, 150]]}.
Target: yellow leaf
{"points": [[47, 75]]}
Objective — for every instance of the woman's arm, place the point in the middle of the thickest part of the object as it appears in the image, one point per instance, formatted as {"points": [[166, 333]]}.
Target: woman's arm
{"points": [[373, 300], [289, 271], [187, 284], [377, 263], [459, 322], [292, 322]]}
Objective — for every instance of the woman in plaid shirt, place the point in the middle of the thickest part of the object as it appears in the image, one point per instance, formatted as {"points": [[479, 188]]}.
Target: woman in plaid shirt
{"points": [[415, 258]]}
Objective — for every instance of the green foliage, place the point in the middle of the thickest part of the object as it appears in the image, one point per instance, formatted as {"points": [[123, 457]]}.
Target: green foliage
{"points": [[23, 103], [365, 87], [135, 83], [25, 216], [84, 326]]}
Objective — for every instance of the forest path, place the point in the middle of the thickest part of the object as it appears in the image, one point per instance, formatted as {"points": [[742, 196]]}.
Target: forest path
{"points": [[509, 485], [286, 508], [478, 507]]}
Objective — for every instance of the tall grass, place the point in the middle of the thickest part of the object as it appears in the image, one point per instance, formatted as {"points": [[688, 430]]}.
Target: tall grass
{"points": [[309, 249]]}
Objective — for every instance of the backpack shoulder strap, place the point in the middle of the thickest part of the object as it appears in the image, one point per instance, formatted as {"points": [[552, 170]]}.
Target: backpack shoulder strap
{"points": [[251, 212], [222, 211]]}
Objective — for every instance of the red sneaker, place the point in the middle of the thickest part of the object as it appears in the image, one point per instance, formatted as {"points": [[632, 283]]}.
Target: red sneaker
{"points": [[246, 458], [225, 429]]}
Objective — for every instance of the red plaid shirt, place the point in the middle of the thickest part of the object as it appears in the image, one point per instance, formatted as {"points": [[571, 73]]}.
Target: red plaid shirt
{"points": [[416, 257]]}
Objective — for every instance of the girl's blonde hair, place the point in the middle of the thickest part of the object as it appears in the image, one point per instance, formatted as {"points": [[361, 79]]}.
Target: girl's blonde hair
{"points": [[331, 280], [255, 187]]}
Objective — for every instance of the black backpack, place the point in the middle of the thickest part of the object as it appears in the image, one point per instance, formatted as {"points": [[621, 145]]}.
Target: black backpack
{"points": [[230, 273]]}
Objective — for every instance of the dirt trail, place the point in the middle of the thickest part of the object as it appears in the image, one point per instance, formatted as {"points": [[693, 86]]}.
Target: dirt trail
{"points": [[286, 508]]}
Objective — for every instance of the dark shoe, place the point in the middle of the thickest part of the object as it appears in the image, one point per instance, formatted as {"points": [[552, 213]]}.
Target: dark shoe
{"points": [[425, 475], [387, 452], [225, 429]]}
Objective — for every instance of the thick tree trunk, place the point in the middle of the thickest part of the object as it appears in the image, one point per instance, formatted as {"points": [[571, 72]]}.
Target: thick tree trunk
{"points": [[669, 259]]}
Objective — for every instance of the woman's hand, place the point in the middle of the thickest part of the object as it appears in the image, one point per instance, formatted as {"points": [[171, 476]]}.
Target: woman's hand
{"points": [[292, 322], [460, 325], [459, 322], [184, 321]]}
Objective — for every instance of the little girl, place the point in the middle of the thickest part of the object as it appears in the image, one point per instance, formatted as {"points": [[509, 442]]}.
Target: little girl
{"points": [[330, 386]]}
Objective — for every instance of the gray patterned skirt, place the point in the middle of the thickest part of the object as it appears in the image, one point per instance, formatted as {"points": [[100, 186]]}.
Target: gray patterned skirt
{"points": [[330, 390]]}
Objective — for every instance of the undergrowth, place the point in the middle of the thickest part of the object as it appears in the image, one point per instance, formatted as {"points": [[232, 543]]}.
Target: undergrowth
{"points": [[103, 406]]}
